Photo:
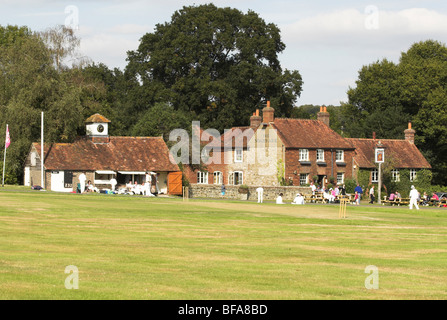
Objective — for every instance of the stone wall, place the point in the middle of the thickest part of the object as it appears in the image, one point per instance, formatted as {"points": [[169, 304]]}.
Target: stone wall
{"points": [[231, 192]]}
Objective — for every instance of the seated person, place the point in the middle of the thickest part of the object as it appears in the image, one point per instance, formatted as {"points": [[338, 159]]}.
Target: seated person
{"points": [[425, 199], [328, 196], [279, 199], [299, 199], [89, 186], [435, 198], [392, 197], [398, 196]]}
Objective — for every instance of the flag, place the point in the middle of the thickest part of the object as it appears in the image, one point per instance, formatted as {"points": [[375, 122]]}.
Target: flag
{"points": [[8, 139]]}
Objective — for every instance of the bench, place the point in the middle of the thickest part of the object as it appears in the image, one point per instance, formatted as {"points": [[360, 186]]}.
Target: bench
{"points": [[315, 199], [398, 201]]}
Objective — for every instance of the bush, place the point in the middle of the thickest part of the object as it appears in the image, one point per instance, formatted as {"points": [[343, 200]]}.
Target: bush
{"points": [[350, 185]]}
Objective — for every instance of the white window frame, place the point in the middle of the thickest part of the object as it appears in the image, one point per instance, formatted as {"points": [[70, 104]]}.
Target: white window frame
{"points": [[342, 179], [217, 177], [304, 155], [374, 175], [395, 175], [202, 177], [320, 155], [339, 158], [238, 155], [305, 180], [413, 175], [232, 178]]}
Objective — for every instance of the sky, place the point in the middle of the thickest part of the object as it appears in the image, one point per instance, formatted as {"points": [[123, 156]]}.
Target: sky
{"points": [[328, 42]]}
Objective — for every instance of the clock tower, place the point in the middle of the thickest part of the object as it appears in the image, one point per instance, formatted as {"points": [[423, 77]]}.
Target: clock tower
{"points": [[97, 128]]}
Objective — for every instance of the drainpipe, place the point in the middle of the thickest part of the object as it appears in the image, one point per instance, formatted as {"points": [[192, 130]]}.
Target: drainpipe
{"points": [[332, 162]]}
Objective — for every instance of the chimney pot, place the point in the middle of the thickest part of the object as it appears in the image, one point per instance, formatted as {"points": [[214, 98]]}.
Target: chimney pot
{"points": [[409, 133], [268, 114], [323, 115]]}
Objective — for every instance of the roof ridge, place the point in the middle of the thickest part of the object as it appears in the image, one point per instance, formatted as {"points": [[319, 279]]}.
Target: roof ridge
{"points": [[377, 139], [279, 118], [134, 137]]}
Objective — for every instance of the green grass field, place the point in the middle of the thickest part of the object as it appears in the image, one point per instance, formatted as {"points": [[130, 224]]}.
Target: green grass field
{"points": [[163, 248]]}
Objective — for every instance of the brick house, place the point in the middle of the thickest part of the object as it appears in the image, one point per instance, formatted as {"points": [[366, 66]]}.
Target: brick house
{"points": [[401, 154], [273, 151], [102, 157]]}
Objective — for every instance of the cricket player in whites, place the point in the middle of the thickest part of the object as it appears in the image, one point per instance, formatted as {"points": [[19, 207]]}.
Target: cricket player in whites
{"points": [[414, 195]]}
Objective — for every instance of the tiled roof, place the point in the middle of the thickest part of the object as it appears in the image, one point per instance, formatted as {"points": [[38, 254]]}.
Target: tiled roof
{"points": [[235, 137], [402, 153], [309, 134], [97, 118], [120, 154]]}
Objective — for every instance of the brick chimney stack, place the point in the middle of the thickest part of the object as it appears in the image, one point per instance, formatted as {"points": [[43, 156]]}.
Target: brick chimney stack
{"points": [[409, 133], [323, 115], [268, 114], [255, 120]]}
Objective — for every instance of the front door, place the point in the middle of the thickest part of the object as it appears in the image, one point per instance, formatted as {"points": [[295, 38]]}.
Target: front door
{"points": [[57, 180]]}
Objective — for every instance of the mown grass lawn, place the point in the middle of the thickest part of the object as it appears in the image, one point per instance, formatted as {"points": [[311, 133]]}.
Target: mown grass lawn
{"points": [[162, 248]]}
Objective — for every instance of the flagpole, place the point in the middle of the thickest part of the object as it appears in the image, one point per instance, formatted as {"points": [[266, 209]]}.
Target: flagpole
{"points": [[4, 160], [42, 180]]}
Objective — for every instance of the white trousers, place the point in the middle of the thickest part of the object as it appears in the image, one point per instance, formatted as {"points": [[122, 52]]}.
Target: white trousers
{"points": [[260, 197], [415, 203]]}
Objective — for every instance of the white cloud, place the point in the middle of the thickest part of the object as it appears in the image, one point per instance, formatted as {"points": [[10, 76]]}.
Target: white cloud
{"points": [[130, 29], [108, 48], [349, 26]]}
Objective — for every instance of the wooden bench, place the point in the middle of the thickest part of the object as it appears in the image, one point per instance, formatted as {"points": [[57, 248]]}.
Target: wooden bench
{"points": [[397, 201], [315, 199]]}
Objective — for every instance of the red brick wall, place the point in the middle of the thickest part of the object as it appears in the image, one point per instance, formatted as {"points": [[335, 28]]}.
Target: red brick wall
{"points": [[211, 168], [293, 165]]}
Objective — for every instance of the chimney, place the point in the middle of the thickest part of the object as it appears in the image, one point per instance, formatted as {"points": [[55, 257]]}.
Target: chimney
{"points": [[268, 114], [409, 134], [323, 115], [374, 135], [255, 120]]}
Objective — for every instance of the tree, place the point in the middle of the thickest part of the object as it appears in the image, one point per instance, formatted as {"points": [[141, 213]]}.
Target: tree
{"points": [[388, 95], [31, 83], [62, 42], [375, 102], [217, 63], [160, 120]]}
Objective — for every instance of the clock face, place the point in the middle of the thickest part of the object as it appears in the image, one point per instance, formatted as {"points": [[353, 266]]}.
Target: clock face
{"points": [[100, 128]]}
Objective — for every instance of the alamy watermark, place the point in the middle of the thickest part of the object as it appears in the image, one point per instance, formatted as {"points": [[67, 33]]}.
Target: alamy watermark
{"points": [[372, 281], [372, 18], [72, 18], [72, 281], [245, 145]]}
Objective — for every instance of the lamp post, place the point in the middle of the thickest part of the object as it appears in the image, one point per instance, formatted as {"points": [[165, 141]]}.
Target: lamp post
{"points": [[379, 158]]}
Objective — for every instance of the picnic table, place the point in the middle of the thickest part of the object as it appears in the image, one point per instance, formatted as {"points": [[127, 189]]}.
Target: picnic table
{"points": [[396, 201], [406, 201], [315, 198]]}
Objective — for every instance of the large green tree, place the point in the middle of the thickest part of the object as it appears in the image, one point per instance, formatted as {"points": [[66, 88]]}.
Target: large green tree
{"points": [[217, 63], [388, 95], [31, 82]]}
